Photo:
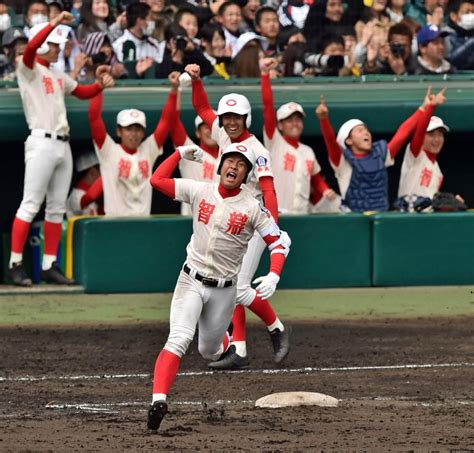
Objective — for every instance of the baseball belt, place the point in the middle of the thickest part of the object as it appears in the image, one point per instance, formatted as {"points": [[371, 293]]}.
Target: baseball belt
{"points": [[206, 281], [45, 134]]}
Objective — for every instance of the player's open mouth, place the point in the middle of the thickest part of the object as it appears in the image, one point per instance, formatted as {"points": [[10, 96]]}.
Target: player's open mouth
{"points": [[231, 175]]}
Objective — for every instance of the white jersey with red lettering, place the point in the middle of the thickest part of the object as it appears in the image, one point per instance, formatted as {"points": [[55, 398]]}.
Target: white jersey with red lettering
{"points": [[293, 169], [222, 227], [42, 92], [73, 204], [127, 190], [205, 171], [263, 166], [419, 175]]}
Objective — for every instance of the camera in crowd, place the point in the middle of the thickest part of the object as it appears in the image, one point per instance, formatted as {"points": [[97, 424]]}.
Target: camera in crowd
{"points": [[398, 50], [331, 59], [181, 42], [99, 58]]}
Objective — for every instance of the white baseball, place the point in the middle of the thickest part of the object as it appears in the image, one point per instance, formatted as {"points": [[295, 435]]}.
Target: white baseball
{"points": [[184, 80]]}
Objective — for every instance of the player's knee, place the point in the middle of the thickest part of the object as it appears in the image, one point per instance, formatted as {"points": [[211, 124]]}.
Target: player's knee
{"points": [[28, 210], [178, 342], [210, 352]]}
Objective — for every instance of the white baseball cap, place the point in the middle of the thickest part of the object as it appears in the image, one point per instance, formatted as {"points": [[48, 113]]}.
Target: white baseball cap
{"points": [[244, 39], [436, 123], [242, 149], [198, 120], [345, 130], [57, 36], [131, 116], [235, 103], [86, 160], [288, 109]]}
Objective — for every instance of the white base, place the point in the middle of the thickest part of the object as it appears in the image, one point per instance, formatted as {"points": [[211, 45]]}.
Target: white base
{"points": [[292, 399]]}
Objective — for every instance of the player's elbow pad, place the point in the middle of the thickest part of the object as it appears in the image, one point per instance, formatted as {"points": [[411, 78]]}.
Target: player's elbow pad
{"points": [[282, 245]]}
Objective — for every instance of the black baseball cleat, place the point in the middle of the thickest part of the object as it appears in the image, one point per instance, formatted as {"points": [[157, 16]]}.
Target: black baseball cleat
{"points": [[230, 360], [55, 276], [281, 343], [18, 275], [156, 414]]}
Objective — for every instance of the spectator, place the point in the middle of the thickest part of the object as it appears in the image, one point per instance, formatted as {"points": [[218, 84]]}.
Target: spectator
{"points": [[126, 166], [136, 44], [5, 19], [55, 8], [14, 43], [230, 16], [267, 25], [70, 59], [460, 41], [249, 12], [36, 13], [326, 17], [157, 8], [246, 54], [427, 12], [377, 17], [396, 10], [98, 49], [293, 12], [180, 51], [96, 15], [213, 45], [293, 43], [360, 164], [431, 52], [332, 60], [187, 18]]}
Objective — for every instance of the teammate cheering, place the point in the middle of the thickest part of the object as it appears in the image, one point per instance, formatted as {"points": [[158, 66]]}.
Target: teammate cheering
{"points": [[126, 167], [225, 219], [230, 125], [298, 180], [48, 159]]}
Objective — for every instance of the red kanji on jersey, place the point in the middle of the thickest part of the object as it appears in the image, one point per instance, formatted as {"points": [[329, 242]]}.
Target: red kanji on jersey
{"points": [[205, 211], [426, 175], [48, 85], [144, 168], [309, 166], [237, 222], [208, 170], [60, 83], [289, 163], [124, 168]]}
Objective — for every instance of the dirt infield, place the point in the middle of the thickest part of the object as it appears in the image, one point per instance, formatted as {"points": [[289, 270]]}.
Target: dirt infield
{"points": [[55, 395]]}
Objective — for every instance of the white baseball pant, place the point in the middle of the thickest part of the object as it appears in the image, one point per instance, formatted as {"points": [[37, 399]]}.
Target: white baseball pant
{"points": [[195, 304], [48, 173], [245, 293]]}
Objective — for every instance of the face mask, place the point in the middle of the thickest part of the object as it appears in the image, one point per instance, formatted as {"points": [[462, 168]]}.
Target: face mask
{"points": [[149, 29], [36, 19], [5, 22], [467, 21]]}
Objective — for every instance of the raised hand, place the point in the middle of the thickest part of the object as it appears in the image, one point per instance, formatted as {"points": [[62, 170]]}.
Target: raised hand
{"points": [[267, 64], [191, 152], [64, 18], [322, 110], [143, 65], [173, 78], [193, 70], [439, 98]]}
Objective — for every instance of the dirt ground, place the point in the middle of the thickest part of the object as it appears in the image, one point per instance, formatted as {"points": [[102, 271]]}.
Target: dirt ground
{"points": [[69, 389]]}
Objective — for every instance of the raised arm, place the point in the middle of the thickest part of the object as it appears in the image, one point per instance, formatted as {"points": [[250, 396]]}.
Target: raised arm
{"points": [[177, 130], [269, 114], [333, 148], [96, 123], [199, 97], [93, 193], [103, 80], [269, 195], [169, 113]]}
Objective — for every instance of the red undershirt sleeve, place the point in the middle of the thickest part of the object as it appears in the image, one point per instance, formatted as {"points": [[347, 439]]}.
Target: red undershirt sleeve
{"points": [[35, 44], [319, 186], [201, 103], [420, 130], [269, 196], [93, 193], [87, 91], [269, 114], [403, 133], [99, 133], [333, 148], [163, 126], [277, 260], [161, 179]]}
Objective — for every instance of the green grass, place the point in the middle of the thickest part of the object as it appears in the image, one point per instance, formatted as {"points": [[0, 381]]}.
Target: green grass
{"points": [[309, 305]]}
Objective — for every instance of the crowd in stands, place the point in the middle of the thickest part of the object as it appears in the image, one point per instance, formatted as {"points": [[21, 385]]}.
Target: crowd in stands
{"points": [[151, 38]]}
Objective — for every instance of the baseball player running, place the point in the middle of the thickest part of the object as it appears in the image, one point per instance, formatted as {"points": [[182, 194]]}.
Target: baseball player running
{"points": [[225, 218], [48, 159], [230, 125], [126, 166], [298, 180]]}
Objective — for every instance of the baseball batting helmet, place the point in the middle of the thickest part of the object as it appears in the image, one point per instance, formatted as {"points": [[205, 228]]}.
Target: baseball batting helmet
{"points": [[243, 150], [235, 103], [57, 36]]}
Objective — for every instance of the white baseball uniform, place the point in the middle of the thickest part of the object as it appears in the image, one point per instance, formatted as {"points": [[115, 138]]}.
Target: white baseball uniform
{"points": [[263, 167], [48, 162], [419, 175], [127, 191], [73, 204], [222, 229], [293, 169]]}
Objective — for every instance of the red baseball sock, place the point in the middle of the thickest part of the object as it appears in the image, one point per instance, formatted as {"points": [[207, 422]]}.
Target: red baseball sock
{"points": [[238, 321], [263, 310], [20, 232], [52, 236], [166, 369]]}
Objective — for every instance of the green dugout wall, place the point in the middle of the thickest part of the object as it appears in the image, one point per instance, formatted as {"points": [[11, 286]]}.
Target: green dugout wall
{"points": [[346, 250]]}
